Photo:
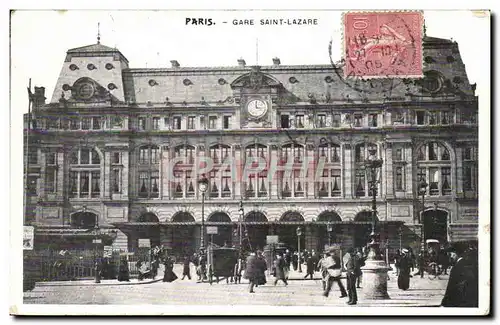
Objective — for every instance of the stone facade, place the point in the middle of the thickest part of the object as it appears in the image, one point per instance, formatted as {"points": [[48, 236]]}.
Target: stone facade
{"points": [[126, 146]]}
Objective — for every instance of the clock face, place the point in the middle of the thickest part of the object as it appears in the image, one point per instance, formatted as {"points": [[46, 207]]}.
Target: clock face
{"points": [[85, 90], [257, 108]]}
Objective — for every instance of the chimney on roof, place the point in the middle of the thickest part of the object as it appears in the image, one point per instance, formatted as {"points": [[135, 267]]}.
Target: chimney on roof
{"points": [[175, 64], [276, 61], [241, 62]]}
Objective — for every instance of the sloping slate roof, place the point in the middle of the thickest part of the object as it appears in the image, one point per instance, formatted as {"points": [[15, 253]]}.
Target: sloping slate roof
{"points": [[93, 48]]}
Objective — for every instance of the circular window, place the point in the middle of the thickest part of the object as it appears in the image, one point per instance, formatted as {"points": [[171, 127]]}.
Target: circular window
{"points": [[66, 87], [432, 82], [428, 59], [86, 90], [109, 66], [73, 67], [90, 66], [222, 81], [152, 82], [293, 80], [187, 82], [328, 79], [112, 86]]}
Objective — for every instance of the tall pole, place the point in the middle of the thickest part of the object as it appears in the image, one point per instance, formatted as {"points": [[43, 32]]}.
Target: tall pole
{"points": [[241, 219], [422, 234], [299, 233], [26, 155], [97, 266], [202, 244]]}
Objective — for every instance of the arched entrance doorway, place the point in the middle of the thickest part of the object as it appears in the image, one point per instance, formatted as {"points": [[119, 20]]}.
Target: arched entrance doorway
{"points": [[81, 220], [182, 234], [223, 231], [150, 231], [257, 233], [287, 233], [363, 230], [436, 225], [329, 234]]}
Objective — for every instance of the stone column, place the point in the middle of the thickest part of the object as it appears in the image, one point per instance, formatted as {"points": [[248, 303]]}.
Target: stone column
{"points": [[388, 189], [60, 175], [106, 172]]}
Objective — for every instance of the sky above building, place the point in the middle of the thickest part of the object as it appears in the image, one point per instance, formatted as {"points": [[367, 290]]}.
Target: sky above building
{"points": [[151, 39]]}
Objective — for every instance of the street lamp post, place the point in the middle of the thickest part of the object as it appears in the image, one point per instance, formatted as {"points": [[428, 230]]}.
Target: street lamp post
{"points": [[97, 267], [202, 186], [375, 269], [242, 214], [422, 190], [299, 233], [329, 228]]}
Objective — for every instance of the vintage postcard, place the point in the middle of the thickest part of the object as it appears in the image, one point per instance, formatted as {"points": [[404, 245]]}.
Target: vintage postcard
{"points": [[250, 162]]}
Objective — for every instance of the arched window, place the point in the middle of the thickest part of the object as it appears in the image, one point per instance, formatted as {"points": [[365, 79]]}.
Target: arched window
{"points": [[85, 173], [329, 185], [434, 167], [149, 171]]}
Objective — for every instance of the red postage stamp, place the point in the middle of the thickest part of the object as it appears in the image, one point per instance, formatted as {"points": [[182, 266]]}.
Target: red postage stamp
{"points": [[383, 44]]}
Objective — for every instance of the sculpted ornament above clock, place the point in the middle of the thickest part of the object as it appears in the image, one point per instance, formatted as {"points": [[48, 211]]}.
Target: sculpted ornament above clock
{"points": [[257, 108]]}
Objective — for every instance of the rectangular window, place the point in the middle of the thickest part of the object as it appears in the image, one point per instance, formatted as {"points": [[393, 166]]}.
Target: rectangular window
{"points": [[335, 154], [143, 155], [398, 154], [156, 123], [73, 184], [399, 178], [96, 184], [335, 182], [445, 118], [31, 185], [433, 118], [300, 121], [84, 183], [177, 123], [422, 175], [166, 122], [178, 184], [155, 190], [52, 123], [359, 154], [286, 189], [142, 123], [468, 153], [214, 184], [434, 181], [143, 184], [116, 181], [202, 122], [298, 184], [50, 181], [214, 154], [96, 123], [433, 150], [358, 120], [117, 122], [323, 184], [190, 186], [321, 120], [212, 122], [420, 117], [155, 155], [86, 123], [285, 121], [84, 157], [116, 158], [226, 186], [469, 177], [33, 155], [74, 124], [51, 158], [227, 122], [360, 183], [446, 180], [336, 120], [374, 120], [397, 118], [298, 154], [190, 122]]}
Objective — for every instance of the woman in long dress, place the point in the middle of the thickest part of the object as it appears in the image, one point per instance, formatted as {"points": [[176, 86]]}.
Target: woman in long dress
{"points": [[123, 274], [404, 271], [169, 275]]}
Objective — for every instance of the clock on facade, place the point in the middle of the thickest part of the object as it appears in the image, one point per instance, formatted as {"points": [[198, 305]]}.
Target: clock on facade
{"points": [[257, 108], [85, 90]]}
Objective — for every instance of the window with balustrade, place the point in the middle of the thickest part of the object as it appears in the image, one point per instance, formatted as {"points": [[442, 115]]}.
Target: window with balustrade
{"points": [[434, 167], [84, 173]]}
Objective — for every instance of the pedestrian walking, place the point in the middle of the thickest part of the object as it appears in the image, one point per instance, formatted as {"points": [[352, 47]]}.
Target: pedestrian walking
{"points": [[169, 275], [238, 269], [462, 289], [279, 270], [404, 270], [262, 268], [251, 271], [186, 268], [359, 263], [397, 257], [332, 272], [310, 265], [123, 272], [349, 264], [295, 260]]}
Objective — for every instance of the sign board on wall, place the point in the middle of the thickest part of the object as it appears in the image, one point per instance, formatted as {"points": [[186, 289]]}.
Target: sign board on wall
{"points": [[212, 230], [28, 237], [144, 242], [108, 251], [272, 239]]}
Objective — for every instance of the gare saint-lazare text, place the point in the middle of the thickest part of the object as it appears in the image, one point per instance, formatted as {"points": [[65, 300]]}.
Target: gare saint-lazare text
{"points": [[253, 22]]}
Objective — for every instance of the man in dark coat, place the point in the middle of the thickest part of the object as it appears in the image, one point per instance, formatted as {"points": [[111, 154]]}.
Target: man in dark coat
{"points": [[251, 271], [310, 266], [279, 269], [295, 260], [169, 275], [261, 268], [462, 289], [349, 264], [186, 270]]}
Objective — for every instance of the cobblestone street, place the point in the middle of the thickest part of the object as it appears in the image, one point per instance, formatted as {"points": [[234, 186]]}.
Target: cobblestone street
{"points": [[422, 292]]}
